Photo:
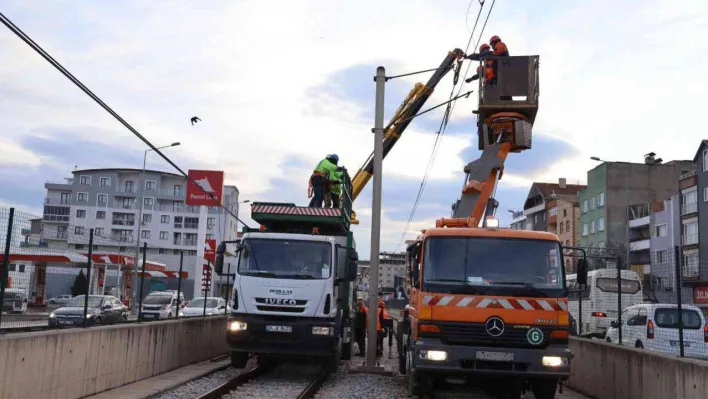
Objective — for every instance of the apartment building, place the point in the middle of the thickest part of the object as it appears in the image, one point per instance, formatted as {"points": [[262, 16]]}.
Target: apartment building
{"points": [[615, 207], [109, 200], [542, 204]]}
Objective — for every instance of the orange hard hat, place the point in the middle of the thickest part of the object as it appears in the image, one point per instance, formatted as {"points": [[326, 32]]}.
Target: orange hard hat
{"points": [[483, 47], [494, 38]]}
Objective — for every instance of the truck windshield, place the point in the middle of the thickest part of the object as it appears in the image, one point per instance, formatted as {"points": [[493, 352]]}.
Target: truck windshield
{"points": [[494, 265], [276, 258]]}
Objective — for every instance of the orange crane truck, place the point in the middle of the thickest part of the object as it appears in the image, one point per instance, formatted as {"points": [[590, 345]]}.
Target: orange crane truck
{"points": [[488, 303]]}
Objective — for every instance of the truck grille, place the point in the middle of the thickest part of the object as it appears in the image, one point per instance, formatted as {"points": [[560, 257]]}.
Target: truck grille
{"points": [[476, 334], [281, 305]]}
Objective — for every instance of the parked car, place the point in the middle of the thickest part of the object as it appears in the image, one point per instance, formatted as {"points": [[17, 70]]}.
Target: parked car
{"points": [[60, 300], [161, 305], [101, 309], [655, 327], [214, 306], [14, 301]]}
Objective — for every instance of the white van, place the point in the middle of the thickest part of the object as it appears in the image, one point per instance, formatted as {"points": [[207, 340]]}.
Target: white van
{"points": [[599, 299], [655, 327], [161, 305]]}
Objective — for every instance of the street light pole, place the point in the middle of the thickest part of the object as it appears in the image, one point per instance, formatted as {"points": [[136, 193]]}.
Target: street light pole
{"points": [[140, 212]]}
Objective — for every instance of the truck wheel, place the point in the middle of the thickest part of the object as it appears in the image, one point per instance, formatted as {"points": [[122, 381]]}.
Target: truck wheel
{"points": [[544, 388], [332, 364], [239, 359], [347, 351], [413, 384]]}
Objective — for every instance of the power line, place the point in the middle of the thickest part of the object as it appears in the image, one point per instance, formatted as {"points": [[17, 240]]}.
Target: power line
{"points": [[17, 31], [443, 124]]}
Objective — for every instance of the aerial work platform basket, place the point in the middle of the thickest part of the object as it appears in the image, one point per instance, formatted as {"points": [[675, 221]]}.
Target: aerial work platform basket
{"points": [[512, 97]]}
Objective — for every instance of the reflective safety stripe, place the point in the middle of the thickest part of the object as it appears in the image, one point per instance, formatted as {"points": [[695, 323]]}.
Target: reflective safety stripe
{"points": [[495, 302]]}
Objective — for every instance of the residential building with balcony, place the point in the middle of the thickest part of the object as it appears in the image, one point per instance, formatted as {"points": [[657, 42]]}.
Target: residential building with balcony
{"points": [[620, 195], [107, 200], [543, 202]]}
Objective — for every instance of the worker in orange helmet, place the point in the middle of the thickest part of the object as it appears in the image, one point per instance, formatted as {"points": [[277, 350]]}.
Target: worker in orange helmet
{"points": [[487, 69], [499, 49]]}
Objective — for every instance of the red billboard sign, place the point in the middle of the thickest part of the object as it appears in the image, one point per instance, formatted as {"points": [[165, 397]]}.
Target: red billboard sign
{"points": [[210, 251], [700, 295], [205, 187]]}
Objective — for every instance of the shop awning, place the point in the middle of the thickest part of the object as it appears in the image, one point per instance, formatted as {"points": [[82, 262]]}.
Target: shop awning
{"points": [[45, 257]]}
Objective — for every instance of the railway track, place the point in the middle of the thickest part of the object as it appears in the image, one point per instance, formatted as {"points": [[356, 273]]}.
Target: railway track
{"points": [[284, 381]]}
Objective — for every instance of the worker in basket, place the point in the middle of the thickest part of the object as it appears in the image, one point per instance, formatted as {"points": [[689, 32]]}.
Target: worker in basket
{"points": [[496, 48], [486, 69], [320, 178]]}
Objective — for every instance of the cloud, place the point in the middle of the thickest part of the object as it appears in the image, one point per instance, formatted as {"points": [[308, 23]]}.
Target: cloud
{"points": [[280, 84]]}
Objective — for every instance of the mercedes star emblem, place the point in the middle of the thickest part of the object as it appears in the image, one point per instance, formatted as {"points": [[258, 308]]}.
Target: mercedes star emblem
{"points": [[495, 326]]}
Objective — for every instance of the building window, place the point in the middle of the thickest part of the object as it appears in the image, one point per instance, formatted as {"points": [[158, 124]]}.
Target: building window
{"points": [[592, 203], [105, 182], [177, 206], [161, 250], [164, 235], [85, 180], [567, 243], [601, 200], [191, 253], [100, 214], [150, 185], [210, 223], [592, 227], [148, 201], [191, 223], [98, 231], [178, 222], [705, 194], [127, 203], [78, 230], [585, 206], [165, 219], [65, 198], [178, 190], [79, 246], [705, 160], [209, 236], [145, 234], [661, 256], [102, 198], [82, 197], [535, 218], [129, 186], [81, 213], [601, 224], [565, 213], [147, 218], [567, 226], [585, 229], [660, 230], [61, 232], [561, 228]]}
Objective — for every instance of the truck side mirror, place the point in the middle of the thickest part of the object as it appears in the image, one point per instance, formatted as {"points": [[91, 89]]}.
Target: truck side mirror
{"points": [[582, 274], [352, 265], [219, 264]]}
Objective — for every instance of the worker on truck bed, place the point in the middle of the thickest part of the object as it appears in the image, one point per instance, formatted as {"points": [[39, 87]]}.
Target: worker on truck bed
{"points": [[336, 188], [360, 326], [320, 178]]}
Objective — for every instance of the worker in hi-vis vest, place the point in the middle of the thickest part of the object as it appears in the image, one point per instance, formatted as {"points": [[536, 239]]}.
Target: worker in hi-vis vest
{"points": [[321, 177]]}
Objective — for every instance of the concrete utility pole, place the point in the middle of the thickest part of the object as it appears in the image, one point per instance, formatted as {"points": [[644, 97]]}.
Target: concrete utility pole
{"points": [[376, 219]]}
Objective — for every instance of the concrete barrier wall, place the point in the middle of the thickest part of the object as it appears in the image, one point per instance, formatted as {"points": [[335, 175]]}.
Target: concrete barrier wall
{"points": [[78, 362], [609, 371]]}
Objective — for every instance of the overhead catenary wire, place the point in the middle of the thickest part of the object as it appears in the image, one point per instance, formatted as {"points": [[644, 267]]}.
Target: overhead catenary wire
{"points": [[36, 47], [448, 113]]}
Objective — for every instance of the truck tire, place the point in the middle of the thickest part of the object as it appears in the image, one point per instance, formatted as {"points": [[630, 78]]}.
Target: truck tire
{"points": [[332, 363], [544, 388], [239, 359]]}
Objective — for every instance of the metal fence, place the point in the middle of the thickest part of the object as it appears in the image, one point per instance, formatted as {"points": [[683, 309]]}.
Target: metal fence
{"points": [[638, 305], [57, 274]]}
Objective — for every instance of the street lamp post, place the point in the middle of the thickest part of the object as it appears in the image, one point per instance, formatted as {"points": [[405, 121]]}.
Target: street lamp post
{"points": [[140, 200]]}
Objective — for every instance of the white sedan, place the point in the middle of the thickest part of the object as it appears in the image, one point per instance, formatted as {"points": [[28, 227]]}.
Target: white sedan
{"points": [[60, 300], [214, 306]]}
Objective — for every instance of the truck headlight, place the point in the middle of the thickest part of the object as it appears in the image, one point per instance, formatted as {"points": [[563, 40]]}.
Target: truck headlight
{"points": [[554, 361], [52, 315], [436, 356], [237, 326], [322, 330]]}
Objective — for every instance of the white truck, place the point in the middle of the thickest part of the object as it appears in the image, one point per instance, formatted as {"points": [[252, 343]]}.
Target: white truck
{"points": [[293, 286]]}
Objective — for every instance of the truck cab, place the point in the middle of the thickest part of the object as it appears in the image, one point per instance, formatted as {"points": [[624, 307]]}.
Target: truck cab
{"points": [[488, 303], [293, 284]]}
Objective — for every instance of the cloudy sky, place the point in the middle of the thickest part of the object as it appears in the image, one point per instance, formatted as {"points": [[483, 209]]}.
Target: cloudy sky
{"points": [[278, 84]]}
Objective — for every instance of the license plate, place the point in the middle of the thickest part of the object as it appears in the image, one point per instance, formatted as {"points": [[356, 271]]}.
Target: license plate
{"points": [[686, 344], [148, 316], [286, 329], [495, 356], [66, 322]]}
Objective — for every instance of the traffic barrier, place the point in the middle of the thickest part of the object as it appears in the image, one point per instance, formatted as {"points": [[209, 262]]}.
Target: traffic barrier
{"points": [[79, 362], [609, 371]]}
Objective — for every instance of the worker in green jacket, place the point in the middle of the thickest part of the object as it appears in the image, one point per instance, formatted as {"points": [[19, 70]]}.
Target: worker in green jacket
{"points": [[320, 178], [336, 190]]}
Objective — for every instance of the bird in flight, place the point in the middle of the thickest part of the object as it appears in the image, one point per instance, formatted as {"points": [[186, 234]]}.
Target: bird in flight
{"points": [[195, 119]]}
